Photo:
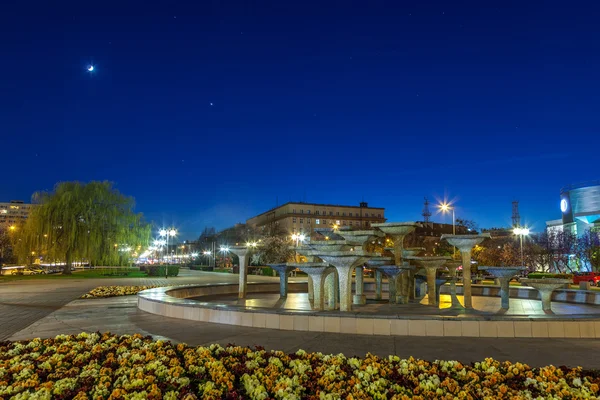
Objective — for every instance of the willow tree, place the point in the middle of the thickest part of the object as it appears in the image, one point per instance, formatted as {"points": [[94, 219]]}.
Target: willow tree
{"points": [[83, 221]]}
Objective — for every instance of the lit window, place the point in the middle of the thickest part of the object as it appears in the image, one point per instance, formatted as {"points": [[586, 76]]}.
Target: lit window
{"points": [[337, 222], [317, 221], [3, 211]]}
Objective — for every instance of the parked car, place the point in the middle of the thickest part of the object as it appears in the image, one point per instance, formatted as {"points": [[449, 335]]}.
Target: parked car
{"points": [[592, 277]]}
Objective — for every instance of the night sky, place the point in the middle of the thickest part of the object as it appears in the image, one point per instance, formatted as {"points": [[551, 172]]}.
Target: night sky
{"points": [[208, 114]]}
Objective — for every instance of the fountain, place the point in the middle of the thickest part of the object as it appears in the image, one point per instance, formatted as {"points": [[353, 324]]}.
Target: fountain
{"points": [[546, 286], [431, 265], [284, 271], [504, 274], [375, 263], [318, 272], [344, 262], [465, 244], [398, 230], [452, 266], [411, 251], [242, 252], [359, 238]]}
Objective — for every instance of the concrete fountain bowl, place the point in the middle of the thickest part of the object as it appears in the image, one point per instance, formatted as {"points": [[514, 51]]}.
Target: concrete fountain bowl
{"points": [[412, 251], [328, 245], [358, 238], [396, 228], [375, 262]]}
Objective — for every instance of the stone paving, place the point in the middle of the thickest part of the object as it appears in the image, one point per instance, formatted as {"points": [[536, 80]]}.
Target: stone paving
{"points": [[22, 302], [45, 308]]}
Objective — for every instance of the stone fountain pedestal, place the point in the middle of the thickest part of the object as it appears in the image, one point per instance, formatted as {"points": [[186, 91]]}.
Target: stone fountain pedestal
{"points": [[242, 252], [344, 262], [284, 271], [452, 266], [374, 263], [431, 265], [411, 252], [398, 231], [393, 272], [318, 272], [504, 275], [546, 287], [465, 244]]}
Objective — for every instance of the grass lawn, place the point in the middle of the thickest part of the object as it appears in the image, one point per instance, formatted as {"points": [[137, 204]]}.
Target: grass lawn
{"points": [[87, 274]]}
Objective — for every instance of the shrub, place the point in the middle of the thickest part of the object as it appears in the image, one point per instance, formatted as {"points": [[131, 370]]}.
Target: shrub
{"points": [[545, 275], [159, 270]]}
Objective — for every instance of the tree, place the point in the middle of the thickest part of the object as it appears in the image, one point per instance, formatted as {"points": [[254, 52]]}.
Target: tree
{"points": [[588, 249], [276, 249], [467, 224], [79, 221]]}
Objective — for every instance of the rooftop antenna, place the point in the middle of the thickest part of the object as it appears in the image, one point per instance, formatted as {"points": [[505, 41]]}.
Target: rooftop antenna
{"points": [[426, 213], [516, 218]]}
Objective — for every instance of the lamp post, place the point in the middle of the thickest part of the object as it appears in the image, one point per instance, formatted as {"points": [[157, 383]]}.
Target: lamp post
{"points": [[167, 233], [444, 208], [521, 232], [224, 250]]}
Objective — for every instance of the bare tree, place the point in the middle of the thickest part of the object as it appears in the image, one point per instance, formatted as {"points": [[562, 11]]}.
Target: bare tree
{"points": [[588, 249]]}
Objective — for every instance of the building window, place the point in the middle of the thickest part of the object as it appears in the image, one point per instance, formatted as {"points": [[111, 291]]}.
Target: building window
{"points": [[301, 211], [301, 220], [343, 222], [294, 220], [372, 215], [294, 210], [324, 222], [337, 213], [317, 212], [350, 223], [308, 211], [379, 215], [308, 221], [324, 213], [317, 221], [349, 214], [343, 214], [331, 213], [337, 222]]}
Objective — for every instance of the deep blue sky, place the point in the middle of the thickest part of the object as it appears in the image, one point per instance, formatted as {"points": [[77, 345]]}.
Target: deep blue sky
{"points": [[333, 102]]}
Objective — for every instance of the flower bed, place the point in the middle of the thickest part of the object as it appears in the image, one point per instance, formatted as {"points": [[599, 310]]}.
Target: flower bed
{"points": [[113, 291], [99, 366]]}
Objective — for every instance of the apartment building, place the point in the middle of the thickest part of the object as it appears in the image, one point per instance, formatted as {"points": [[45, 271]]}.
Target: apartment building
{"points": [[13, 213], [306, 217]]}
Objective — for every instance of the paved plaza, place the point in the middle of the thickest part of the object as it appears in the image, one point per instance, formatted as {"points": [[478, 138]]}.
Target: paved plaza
{"points": [[45, 308]]}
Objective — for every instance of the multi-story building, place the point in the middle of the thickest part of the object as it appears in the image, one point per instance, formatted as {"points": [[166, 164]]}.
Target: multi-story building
{"points": [[580, 206], [13, 214], [306, 217]]}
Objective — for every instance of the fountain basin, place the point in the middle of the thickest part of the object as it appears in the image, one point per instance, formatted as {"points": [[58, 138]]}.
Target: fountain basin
{"points": [[412, 251]]}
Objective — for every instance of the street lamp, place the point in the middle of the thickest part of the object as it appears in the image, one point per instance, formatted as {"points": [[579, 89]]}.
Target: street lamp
{"points": [[167, 233], [444, 208], [207, 253], [521, 232], [298, 238], [224, 250]]}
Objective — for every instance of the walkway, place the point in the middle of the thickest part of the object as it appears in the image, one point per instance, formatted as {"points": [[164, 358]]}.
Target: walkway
{"points": [[45, 308]]}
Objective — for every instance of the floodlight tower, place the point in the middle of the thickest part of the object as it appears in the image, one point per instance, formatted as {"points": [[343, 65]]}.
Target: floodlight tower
{"points": [[516, 218], [426, 213]]}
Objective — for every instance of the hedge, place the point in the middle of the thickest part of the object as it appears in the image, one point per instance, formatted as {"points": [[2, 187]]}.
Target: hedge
{"points": [[159, 270], [545, 275]]}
